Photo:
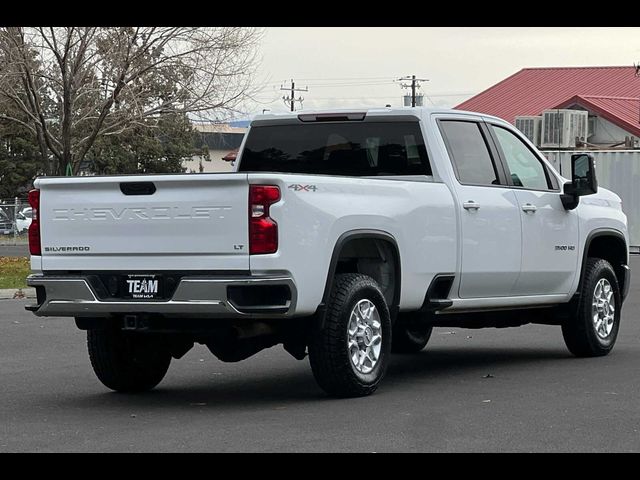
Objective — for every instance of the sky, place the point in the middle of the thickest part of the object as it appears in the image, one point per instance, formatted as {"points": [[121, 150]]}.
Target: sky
{"points": [[346, 67]]}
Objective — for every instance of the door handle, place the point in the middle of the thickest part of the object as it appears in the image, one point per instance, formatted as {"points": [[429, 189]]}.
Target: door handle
{"points": [[471, 205], [527, 207]]}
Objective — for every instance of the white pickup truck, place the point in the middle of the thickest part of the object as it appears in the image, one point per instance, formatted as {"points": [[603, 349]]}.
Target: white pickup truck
{"points": [[342, 235]]}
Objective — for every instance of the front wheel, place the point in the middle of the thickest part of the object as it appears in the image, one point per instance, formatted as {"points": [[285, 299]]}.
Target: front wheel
{"points": [[593, 329], [349, 355], [126, 361]]}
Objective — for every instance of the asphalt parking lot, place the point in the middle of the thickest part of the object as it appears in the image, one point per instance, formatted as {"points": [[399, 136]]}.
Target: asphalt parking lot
{"points": [[515, 389], [20, 250]]}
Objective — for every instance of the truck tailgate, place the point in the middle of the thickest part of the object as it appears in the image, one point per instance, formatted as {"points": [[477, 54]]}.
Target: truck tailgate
{"points": [[151, 222]]}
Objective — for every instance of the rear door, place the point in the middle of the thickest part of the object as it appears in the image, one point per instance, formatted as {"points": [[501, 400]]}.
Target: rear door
{"points": [[488, 210], [159, 222]]}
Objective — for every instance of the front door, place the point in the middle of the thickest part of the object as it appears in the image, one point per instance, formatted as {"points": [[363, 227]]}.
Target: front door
{"points": [[549, 232]]}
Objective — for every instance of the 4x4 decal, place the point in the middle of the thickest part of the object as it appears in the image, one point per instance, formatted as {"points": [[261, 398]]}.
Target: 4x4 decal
{"points": [[303, 188]]}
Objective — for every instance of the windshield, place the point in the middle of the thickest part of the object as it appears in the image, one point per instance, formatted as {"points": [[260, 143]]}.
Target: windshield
{"points": [[337, 148]]}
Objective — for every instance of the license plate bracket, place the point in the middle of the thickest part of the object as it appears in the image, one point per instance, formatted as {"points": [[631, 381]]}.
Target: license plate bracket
{"points": [[142, 286]]}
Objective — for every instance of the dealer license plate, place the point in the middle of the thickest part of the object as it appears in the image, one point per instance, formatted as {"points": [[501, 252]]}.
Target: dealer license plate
{"points": [[141, 286]]}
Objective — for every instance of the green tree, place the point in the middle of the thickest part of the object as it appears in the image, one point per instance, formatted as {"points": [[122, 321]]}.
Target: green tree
{"points": [[158, 146], [20, 160]]}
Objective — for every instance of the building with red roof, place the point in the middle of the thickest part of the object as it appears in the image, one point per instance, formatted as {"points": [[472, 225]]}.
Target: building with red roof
{"points": [[611, 95]]}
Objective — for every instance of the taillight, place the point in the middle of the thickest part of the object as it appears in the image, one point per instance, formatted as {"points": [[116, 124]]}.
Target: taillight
{"points": [[263, 231], [34, 228]]}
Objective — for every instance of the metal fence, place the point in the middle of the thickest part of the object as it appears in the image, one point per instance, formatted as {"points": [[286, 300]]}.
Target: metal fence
{"points": [[617, 170], [15, 218]]}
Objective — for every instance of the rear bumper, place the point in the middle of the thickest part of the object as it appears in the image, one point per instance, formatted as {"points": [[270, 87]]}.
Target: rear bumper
{"points": [[196, 296]]}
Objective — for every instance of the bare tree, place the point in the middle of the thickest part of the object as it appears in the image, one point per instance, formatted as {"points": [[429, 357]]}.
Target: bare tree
{"points": [[71, 85]]}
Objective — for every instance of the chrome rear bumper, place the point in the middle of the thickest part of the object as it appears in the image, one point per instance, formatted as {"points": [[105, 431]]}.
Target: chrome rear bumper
{"points": [[73, 296]]}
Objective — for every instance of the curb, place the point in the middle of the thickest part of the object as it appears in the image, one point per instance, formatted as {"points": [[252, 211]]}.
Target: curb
{"points": [[9, 293]]}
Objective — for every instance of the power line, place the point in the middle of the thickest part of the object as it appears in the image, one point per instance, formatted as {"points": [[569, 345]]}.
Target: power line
{"points": [[341, 84], [291, 99], [346, 78], [330, 85], [462, 94], [356, 98], [390, 96], [341, 81]]}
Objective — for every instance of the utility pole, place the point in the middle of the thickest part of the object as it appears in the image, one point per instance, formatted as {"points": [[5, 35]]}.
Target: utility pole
{"points": [[291, 98], [413, 86]]}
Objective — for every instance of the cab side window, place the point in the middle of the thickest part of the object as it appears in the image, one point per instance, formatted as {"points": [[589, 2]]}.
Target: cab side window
{"points": [[525, 168], [469, 153]]}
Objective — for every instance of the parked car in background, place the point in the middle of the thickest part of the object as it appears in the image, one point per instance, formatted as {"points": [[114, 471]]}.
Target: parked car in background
{"points": [[27, 212], [23, 222], [6, 225], [231, 156]]}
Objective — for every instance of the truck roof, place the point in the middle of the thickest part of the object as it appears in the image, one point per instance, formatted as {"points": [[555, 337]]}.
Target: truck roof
{"points": [[378, 111]]}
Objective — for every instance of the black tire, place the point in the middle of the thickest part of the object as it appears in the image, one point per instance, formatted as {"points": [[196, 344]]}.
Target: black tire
{"points": [[409, 335], [328, 349], [125, 361], [579, 331]]}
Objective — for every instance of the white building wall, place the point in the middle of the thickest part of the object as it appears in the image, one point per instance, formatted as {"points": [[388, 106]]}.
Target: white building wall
{"points": [[607, 133], [216, 164]]}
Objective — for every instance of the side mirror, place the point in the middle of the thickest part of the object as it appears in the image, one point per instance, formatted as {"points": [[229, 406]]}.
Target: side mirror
{"points": [[583, 174], [583, 180]]}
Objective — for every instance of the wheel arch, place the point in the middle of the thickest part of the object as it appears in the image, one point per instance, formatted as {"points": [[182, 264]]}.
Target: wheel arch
{"points": [[610, 245], [383, 240]]}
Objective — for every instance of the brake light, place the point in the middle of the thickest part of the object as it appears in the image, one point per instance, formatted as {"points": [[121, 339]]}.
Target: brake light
{"points": [[34, 228], [263, 230]]}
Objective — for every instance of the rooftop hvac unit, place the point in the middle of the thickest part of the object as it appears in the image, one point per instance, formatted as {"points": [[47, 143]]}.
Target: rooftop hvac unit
{"points": [[561, 127], [530, 126]]}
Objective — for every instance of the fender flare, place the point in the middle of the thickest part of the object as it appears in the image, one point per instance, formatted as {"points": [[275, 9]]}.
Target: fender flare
{"points": [[601, 232], [356, 235]]}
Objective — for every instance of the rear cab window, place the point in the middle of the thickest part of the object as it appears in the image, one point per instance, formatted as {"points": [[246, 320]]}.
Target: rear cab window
{"points": [[472, 158], [357, 149]]}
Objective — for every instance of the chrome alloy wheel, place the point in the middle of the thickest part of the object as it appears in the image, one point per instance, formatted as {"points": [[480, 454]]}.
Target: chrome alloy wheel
{"points": [[364, 336], [603, 308]]}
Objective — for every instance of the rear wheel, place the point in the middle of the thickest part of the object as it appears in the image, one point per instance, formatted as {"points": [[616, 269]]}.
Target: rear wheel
{"points": [[349, 355], [593, 330], [126, 361]]}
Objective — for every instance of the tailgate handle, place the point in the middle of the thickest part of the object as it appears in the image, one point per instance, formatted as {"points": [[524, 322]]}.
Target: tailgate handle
{"points": [[138, 188]]}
